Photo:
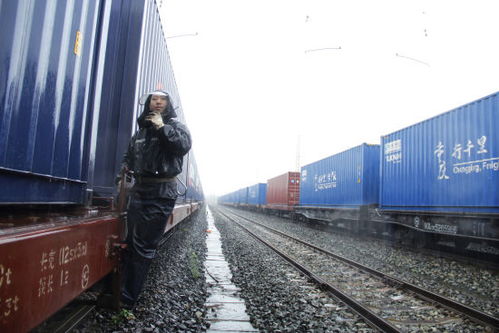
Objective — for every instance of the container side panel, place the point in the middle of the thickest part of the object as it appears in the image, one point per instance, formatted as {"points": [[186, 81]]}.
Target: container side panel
{"points": [[283, 191], [347, 179], [449, 163], [257, 194], [370, 175], [47, 60], [137, 62]]}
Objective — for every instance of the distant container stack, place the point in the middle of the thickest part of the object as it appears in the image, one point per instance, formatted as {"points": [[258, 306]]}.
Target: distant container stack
{"points": [[283, 192], [448, 163], [349, 179]]}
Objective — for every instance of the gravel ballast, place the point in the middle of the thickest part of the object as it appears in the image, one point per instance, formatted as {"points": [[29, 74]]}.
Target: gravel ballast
{"points": [[468, 284], [277, 298], [175, 291]]}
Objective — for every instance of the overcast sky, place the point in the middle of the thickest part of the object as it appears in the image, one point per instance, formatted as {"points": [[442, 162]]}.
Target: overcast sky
{"points": [[254, 84]]}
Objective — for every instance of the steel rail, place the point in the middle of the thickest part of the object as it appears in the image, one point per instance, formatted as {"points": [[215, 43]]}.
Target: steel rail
{"points": [[67, 318], [369, 316], [473, 314]]}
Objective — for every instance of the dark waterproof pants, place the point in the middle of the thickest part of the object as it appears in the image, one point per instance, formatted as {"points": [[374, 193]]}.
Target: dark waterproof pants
{"points": [[147, 219]]}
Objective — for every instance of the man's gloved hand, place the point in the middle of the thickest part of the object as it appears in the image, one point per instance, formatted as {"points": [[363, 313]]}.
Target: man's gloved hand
{"points": [[156, 119]]}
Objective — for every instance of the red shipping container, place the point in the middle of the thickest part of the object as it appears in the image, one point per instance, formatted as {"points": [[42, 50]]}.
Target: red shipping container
{"points": [[283, 192]]}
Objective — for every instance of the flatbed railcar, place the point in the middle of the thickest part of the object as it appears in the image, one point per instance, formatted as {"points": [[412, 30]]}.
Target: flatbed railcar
{"points": [[71, 77], [437, 180]]}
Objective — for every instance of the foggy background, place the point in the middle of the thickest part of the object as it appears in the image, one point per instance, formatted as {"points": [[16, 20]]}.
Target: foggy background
{"points": [[267, 86]]}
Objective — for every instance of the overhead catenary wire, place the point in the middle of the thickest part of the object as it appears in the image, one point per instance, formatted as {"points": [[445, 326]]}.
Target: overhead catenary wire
{"points": [[323, 49], [183, 35], [413, 59]]}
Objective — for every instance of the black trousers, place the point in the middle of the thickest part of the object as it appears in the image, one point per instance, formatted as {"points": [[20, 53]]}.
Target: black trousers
{"points": [[147, 220]]}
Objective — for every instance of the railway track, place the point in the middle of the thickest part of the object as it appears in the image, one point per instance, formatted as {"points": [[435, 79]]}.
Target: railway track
{"points": [[387, 303], [67, 318], [474, 257]]}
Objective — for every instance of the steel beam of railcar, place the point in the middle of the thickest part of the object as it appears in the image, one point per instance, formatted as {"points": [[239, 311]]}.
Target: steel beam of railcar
{"points": [[43, 270]]}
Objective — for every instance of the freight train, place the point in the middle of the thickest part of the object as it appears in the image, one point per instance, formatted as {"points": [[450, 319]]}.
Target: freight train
{"points": [[435, 180], [71, 76]]}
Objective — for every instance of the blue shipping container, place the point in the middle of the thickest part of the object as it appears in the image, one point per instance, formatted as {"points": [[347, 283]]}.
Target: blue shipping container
{"points": [[71, 76], [242, 196], [257, 194], [47, 53], [449, 163], [230, 198], [346, 180], [136, 62]]}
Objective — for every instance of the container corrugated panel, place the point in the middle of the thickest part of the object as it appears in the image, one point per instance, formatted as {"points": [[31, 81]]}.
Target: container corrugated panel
{"points": [[257, 194], [46, 59], [70, 84], [136, 61], [194, 188], [242, 196], [449, 163], [116, 91], [283, 192], [229, 198], [349, 179]]}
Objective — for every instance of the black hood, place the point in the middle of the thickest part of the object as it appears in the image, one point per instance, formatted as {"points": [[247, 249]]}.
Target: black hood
{"points": [[170, 112]]}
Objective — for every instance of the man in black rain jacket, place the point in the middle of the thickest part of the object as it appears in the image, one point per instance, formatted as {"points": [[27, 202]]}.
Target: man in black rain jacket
{"points": [[155, 155]]}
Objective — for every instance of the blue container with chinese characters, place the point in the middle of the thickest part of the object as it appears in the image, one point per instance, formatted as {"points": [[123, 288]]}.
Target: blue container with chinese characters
{"points": [[349, 179], [449, 163], [257, 194]]}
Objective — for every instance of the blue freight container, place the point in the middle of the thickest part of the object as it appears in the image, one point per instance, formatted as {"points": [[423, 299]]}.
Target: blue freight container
{"points": [[231, 198], [349, 179], [194, 190], [449, 163], [136, 62], [71, 77], [242, 196], [257, 194], [47, 54]]}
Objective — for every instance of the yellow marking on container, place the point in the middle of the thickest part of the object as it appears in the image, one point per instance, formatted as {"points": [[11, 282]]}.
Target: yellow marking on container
{"points": [[77, 48]]}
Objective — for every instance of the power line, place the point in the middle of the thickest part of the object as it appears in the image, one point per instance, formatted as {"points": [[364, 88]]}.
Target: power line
{"points": [[413, 59], [183, 35], [323, 49]]}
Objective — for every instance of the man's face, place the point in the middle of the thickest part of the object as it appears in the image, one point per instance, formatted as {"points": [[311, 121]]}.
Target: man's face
{"points": [[158, 103]]}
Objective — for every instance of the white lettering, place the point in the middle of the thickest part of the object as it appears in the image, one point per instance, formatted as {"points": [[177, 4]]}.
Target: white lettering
{"points": [[393, 146], [490, 166], [443, 228], [467, 169], [395, 158], [5, 274]]}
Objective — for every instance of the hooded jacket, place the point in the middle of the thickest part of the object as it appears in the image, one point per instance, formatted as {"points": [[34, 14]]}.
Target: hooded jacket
{"points": [[158, 153]]}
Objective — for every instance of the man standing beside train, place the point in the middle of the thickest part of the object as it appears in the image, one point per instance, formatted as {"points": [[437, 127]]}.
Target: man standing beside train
{"points": [[155, 156]]}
